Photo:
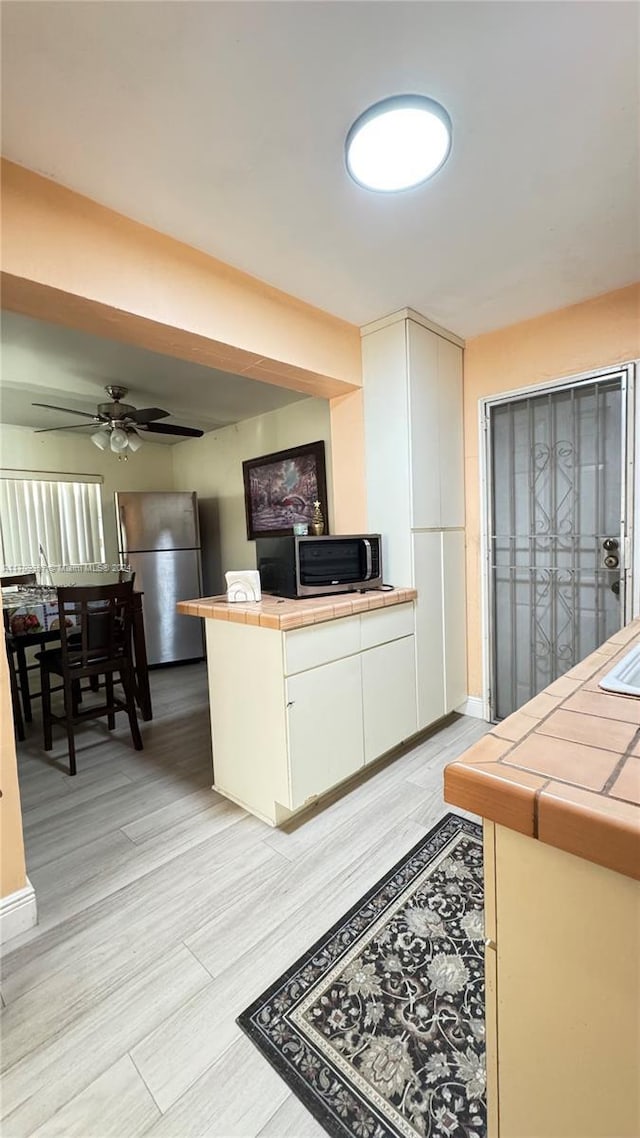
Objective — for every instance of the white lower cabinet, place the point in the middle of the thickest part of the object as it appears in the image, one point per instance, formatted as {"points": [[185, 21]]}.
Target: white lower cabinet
{"points": [[427, 570], [293, 714], [388, 696], [324, 707]]}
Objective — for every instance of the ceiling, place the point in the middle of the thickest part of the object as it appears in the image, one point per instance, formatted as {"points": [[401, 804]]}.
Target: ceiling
{"points": [[51, 364], [223, 124]]}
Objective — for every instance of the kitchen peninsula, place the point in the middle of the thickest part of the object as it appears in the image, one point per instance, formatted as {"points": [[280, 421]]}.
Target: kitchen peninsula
{"points": [[558, 786], [305, 693]]}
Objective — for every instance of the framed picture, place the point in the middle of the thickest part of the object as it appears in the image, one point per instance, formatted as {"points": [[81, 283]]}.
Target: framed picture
{"points": [[280, 489]]}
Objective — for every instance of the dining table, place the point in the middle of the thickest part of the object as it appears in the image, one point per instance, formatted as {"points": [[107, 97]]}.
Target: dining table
{"points": [[31, 619]]}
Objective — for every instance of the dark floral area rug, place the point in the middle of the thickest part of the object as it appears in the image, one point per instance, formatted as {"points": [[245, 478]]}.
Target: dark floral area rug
{"points": [[379, 1028]]}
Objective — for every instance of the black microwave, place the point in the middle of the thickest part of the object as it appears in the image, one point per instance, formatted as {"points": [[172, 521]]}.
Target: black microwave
{"points": [[296, 566]]}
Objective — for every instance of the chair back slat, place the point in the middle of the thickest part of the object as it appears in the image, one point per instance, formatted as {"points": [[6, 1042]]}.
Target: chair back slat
{"points": [[95, 623], [18, 579]]}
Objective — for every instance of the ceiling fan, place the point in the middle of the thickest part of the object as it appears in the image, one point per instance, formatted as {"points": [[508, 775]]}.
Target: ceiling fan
{"points": [[121, 426]]}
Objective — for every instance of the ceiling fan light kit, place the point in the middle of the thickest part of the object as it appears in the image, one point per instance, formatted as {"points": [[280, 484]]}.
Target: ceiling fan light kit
{"points": [[118, 441], [120, 424], [398, 143], [101, 438]]}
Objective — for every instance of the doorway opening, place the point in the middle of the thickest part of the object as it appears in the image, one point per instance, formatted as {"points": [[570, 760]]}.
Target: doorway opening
{"points": [[558, 475]]}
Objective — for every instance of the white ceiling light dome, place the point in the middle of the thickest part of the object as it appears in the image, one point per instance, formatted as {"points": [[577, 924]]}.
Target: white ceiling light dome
{"points": [[118, 441], [398, 143], [101, 438]]}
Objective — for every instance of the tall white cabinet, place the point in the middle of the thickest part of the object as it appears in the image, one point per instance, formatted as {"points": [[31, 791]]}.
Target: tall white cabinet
{"points": [[412, 374]]}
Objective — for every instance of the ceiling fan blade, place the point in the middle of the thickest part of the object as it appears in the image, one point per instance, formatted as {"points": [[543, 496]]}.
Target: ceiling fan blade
{"points": [[170, 429], [147, 414], [67, 410], [68, 427]]}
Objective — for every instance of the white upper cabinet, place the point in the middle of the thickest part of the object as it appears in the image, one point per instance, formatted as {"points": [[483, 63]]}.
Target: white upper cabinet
{"points": [[435, 425], [450, 418], [386, 413], [424, 426], [414, 436]]}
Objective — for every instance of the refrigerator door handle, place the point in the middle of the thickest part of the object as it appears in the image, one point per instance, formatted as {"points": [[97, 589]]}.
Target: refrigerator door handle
{"points": [[122, 529]]}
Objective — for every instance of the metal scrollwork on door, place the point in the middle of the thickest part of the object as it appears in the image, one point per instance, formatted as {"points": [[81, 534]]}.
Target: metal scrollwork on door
{"points": [[552, 472]]}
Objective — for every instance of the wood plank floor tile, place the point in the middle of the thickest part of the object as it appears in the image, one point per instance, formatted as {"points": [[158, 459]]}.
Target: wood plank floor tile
{"points": [[115, 1103], [106, 781], [292, 1120], [218, 1106], [53, 1073], [323, 869], [162, 819], [129, 931]]}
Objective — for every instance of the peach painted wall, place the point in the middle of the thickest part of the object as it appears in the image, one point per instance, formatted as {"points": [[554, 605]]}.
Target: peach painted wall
{"points": [[69, 260], [597, 333], [347, 457], [12, 867]]}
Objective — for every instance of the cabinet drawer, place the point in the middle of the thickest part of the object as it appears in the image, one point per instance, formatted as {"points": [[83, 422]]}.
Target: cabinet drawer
{"points": [[382, 625], [320, 644]]}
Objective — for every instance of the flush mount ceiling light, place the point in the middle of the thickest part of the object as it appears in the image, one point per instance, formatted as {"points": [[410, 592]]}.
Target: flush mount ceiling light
{"points": [[398, 143]]}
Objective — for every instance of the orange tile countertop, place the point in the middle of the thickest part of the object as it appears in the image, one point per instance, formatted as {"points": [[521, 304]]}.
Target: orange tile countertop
{"points": [[565, 768], [285, 615]]}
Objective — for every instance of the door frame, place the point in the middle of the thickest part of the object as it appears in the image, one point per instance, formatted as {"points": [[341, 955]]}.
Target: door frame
{"points": [[630, 417]]}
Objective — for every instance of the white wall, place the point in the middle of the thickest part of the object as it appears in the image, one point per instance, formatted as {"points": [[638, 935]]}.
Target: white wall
{"points": [[212, 466], [74, 453]]}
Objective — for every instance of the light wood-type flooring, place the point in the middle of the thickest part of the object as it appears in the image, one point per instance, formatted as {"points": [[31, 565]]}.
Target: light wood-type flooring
{"points": [[164, 911]]}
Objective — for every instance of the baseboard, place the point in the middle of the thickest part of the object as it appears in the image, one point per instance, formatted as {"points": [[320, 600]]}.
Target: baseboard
{"points": [[474, 706], [18, 912]]}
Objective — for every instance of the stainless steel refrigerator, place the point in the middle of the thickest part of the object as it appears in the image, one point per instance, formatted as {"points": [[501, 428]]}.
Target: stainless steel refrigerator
{"points": [[159, 537]]}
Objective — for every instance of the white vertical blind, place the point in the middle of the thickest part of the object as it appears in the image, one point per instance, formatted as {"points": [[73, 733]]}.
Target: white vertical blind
{"points": [[65, 518]]}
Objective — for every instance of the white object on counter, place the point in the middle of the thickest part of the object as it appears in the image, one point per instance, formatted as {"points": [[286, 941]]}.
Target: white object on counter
{"points": [[243, 585], [624, 677]]}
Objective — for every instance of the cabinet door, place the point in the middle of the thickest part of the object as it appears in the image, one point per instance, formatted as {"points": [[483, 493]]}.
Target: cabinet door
{"points": [[455, 631], [325, 727], [388, 696], [426, 444], [388, 453], [427, 561], [450, 422]]}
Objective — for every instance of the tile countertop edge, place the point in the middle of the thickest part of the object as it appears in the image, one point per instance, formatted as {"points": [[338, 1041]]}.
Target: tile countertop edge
{"points": [[533, 775], [288, 614]]}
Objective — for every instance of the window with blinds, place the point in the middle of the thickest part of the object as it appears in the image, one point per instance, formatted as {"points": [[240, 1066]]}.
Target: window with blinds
{"points": [[64, 518]]}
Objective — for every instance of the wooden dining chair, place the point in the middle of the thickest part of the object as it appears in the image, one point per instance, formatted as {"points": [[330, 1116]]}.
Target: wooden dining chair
{"points": [[95, 641], [16, 706], [17, 654], [18, 648]]}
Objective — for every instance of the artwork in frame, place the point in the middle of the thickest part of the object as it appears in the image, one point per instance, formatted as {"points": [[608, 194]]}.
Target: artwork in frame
{"points": [[280, 490]]}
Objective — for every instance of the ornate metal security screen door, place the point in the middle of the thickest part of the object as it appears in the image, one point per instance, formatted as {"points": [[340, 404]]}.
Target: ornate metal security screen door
{"points": [[556, 533]]}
